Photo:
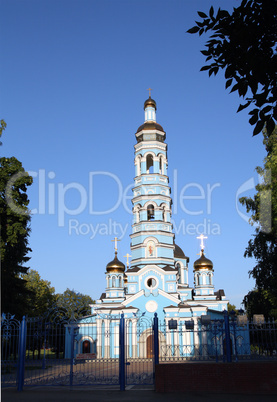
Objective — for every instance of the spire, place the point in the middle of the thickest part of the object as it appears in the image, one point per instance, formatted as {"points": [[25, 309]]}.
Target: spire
{"points": [[150, 108]]}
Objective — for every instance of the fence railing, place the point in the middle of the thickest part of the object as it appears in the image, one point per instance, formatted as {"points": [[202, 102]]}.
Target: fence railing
{"points": [[54, 350]]}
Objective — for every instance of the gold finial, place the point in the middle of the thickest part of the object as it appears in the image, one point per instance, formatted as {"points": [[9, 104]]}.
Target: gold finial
{"points": [[149, 89], [202, 237], [127, 256], [115, 243]]}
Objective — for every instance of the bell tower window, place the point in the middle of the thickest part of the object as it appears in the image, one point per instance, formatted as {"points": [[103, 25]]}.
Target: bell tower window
{"points": [[149, 164], [150, 213]]}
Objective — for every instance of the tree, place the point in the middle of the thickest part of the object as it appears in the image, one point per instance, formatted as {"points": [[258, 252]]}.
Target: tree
{"points": [[75, 304], [15, 230], [231, 307], [244, 43], [3, 125], [259, 302], [263, 246], [42, 294]]}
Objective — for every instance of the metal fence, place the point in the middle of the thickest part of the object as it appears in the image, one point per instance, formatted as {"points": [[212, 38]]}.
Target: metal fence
{"points": [[62, 350]]}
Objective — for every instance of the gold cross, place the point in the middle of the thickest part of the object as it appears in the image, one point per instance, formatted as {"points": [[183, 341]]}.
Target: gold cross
{"points": [[115, 243], [202, 237], [149, 89], [127, 256]]}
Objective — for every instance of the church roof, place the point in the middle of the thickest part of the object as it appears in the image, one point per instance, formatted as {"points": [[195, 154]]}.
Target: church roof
{"points": [[115, 265], [219, 293], [135, 269], [178, 253], [150, 102], [203, 262], [150, 125], [169, 268]]}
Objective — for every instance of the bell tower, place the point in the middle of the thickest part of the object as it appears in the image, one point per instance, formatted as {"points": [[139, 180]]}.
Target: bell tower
{"points": [[152, 239]]}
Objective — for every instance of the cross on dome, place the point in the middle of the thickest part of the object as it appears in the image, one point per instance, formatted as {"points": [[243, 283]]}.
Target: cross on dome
{"points": [[202, 237], [149, 89], [115, 243], [127, 256]]}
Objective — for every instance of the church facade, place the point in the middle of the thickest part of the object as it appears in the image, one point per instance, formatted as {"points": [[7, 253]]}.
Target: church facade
{"points": [[156, 280]]}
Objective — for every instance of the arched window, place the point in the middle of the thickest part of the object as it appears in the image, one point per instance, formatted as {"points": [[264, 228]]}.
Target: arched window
{"points": [[164, 214], [149, 164], [137, 213], [86, 347], [120, 282], [138, 163], [161, 165], [150, 212], [113, 282]]}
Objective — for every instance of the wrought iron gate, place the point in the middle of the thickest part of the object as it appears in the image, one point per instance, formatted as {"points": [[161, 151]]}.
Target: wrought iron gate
{"points": [[139, 351]]}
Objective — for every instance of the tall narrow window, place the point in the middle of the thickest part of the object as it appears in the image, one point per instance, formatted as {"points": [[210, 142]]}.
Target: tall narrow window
{"points": [[149, 164], [120, 282], [150, 213], [86, 347], [113, 282]]}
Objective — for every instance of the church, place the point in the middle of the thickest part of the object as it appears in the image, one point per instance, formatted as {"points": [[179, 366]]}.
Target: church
{"points": [[156, 279]]}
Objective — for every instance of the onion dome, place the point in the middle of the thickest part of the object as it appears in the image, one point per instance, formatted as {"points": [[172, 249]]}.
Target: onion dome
{"points": [[150, 125], [150, 102], [178, 253], [202, 262], [115, 265]]}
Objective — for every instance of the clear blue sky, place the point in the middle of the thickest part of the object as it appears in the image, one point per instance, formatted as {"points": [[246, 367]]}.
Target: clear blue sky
{"points": [[73, 82]]}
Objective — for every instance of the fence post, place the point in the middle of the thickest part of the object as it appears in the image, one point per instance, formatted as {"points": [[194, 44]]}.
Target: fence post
{"points": [[21, 357], [227, 337], [156, 339], [71, 354], [122, 353]]}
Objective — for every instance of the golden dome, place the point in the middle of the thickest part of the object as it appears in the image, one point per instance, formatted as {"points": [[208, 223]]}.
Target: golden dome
{"points": [[125, 278], [150, 102], [115, 265], [202, 262]]}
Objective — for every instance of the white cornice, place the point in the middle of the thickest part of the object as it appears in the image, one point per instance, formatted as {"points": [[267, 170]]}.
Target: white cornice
{"points": [[156, 232]]}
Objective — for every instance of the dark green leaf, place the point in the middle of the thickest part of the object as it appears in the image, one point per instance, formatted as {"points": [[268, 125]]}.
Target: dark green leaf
{"points": [[266, 109], [258, 128], [228, 83], [193, 30], [201, 14], [205, 52], [205, 68], [229, 71], [254, 112], [253, 119], [235, 88], [270, 125], [211, 13], [241, 107]]}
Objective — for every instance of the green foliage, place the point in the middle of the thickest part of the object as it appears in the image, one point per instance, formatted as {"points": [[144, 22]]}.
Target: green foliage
{"points": [[3, 125], [260, 302], [263, 246], [244, 43], [231, 307], [74, 303], [41, 297], [15, 229]]}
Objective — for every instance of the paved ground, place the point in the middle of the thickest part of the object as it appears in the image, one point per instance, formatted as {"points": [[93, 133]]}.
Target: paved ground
{"points": [[62, 394]]}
